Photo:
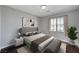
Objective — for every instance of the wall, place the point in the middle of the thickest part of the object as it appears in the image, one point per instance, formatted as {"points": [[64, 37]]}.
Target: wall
{"points": [[78, 20], [78, 23], [11, 21], [0, 25], [39, 22], [43, 26], [73, 20]]}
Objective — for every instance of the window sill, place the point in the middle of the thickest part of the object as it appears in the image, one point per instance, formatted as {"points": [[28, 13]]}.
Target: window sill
{"points": [[56, 31]]}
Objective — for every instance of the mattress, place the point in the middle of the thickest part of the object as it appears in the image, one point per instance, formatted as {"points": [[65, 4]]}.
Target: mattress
{"points": [[41, 46]]}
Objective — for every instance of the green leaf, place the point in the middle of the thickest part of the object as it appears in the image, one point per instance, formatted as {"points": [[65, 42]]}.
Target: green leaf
{"points": [[72, 34]]}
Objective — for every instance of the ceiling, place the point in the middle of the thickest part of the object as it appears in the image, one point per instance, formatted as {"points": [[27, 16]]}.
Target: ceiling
{"points": [[50, 9]]}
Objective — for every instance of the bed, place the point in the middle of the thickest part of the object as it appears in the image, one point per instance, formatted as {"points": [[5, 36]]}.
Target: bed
{"points": [[36, 42]]}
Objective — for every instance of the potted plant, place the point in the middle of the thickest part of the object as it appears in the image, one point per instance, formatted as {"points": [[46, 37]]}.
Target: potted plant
{"points": [[72, 34]]}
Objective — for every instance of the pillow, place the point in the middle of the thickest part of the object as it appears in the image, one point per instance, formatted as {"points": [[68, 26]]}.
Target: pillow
{"points": [[35, 32], [28, 34]]}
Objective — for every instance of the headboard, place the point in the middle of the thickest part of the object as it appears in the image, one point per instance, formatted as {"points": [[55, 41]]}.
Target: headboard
{"points": [[28, 29]]}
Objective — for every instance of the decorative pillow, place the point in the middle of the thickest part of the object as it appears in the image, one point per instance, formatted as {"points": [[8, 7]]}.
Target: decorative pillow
{"points": [[28, 34], [35, 32]]}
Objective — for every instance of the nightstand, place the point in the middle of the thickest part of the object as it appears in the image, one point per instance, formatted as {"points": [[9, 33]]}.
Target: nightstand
{"points": [[19, 41]]}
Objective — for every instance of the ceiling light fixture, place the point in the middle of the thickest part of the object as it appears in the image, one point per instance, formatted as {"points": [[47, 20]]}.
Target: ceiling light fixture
{"points": [[43, 6]]}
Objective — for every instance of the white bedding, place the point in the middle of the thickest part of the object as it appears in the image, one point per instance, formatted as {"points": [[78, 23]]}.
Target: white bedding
{"points": [[41, 46]]}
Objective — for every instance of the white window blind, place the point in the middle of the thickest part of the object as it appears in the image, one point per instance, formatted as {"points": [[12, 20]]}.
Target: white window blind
{"points": [[57, 24]]}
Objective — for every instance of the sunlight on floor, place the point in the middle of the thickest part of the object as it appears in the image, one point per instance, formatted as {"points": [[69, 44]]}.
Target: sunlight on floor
{"points": [[62, 48], [24, 50]]}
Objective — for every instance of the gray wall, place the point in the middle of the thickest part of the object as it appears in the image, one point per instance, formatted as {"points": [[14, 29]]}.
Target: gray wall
{"points": [[73, 20], [39, 22], [11, 21], [78, 19], [0, 25]]}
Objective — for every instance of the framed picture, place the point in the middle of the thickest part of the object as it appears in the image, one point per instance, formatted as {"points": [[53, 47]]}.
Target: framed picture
{"points": [[25, 21]]}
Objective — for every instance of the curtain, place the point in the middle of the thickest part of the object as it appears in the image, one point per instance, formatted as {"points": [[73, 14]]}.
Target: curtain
{"points": [[65, 24], [49, 24]]}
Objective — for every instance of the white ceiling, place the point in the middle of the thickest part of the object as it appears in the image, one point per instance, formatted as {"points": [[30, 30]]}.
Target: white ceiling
{"points": [[50, 9]]}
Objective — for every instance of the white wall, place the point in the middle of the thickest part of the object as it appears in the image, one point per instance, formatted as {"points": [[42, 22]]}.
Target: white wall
{"points": [[78, 19], [73, 20], [78, 23], [39, 22], [0, 25], [43, 25], [11, 21]]}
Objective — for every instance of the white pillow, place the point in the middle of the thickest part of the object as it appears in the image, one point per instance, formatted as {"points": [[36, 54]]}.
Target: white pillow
{"points": [[28, 33], [35, 31]]}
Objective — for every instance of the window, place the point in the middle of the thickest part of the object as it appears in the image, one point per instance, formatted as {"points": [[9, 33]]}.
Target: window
{"points": [[57, 24]]}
